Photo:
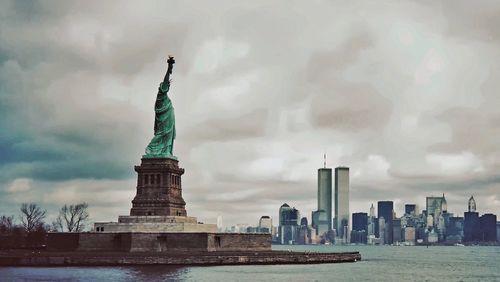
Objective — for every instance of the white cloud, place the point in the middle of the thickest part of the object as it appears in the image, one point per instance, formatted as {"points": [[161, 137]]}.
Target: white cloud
{"points": [[454, 164], [19, 185]]}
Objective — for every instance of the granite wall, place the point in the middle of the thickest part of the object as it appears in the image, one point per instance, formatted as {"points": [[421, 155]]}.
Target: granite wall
{"points": [[235, 242], [158, 242], [62, 241], [190, 258]]}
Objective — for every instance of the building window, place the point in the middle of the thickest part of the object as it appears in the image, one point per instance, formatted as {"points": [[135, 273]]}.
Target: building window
{"points": [[217, 241], [146, 179], [158, 179]]}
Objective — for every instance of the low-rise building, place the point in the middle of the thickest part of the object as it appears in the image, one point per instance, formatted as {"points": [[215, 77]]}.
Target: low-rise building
{"points": [[409, 235], [432, 237]]}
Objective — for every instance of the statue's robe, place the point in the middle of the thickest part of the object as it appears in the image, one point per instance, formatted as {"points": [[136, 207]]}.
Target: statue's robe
{"points": [[162, 144]]}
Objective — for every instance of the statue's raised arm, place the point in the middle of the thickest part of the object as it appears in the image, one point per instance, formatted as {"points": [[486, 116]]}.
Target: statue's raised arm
{"points": [[171, 62], [162, 144]]}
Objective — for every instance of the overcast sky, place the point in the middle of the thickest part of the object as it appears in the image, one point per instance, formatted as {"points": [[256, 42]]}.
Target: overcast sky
{"points": [[404, 93]]}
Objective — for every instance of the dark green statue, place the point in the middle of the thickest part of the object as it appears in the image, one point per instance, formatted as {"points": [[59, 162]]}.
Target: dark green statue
{"points": [[162, 144]]}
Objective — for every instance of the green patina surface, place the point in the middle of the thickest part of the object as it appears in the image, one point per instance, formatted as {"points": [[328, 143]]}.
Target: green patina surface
{"points": [[162, 144]]}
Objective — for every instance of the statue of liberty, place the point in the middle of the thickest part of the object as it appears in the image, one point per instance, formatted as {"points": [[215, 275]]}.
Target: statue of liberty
{"points": [[162, 144]]}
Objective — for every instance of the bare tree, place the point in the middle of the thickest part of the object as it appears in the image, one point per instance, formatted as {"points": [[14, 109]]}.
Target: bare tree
{"points": [[32, 216], [72, 218], [6, 223]]}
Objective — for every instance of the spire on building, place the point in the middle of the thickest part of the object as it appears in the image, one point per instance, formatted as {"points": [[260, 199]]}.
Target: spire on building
{"points": [[472, 204], [444, 205], [324, 160]]}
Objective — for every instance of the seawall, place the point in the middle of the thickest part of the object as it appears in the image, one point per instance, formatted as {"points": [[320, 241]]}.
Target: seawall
{"points": [[191, 258]]}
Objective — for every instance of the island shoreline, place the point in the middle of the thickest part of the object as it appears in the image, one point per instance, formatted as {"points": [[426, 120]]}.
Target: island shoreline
{"points": [[62, 259]]}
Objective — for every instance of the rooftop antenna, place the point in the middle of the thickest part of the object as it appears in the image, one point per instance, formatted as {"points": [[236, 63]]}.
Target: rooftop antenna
{"points": [[324, 160]]}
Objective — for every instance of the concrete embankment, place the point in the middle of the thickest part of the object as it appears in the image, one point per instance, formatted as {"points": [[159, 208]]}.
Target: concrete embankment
{"points": [[202, 258]]}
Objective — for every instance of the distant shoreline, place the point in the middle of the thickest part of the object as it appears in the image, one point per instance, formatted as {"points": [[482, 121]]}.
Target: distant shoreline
{"points": [[490, 244]]}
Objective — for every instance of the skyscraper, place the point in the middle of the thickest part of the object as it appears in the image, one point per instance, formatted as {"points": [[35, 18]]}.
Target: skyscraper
{"points": [[385, 210], [325, 194], [265, 224], [305, 235], [435, 206], [455, 229], [359, 227], [396, 230], [342, 202], [498, 231], [472, 226], [382, 228], [472, 231], [488, 225], [371, 222], [411, 209], [220, 227], [289, 223], [359, 221], [320, 222]]}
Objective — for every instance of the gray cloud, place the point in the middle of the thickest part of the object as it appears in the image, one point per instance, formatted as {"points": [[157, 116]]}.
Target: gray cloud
{"points": [[405, 95], [479, 23], [333, 108]]}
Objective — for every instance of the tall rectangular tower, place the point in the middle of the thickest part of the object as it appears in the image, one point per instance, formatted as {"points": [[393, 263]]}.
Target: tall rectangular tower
{"points": [[472, 227], [325, 193], [385, 210], [488, 227], [342, 202]]}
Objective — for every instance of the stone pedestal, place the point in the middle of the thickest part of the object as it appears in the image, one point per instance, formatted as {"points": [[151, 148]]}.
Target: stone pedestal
{"points": [[158, 205], [159, 189], [152, 224]]}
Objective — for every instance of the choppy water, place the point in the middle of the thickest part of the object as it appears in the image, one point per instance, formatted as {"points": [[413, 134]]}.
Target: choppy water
{"points": [[379, 264]]}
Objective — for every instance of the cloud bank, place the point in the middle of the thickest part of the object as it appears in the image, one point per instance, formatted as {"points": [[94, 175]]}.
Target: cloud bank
{"points": [[404, 93]]}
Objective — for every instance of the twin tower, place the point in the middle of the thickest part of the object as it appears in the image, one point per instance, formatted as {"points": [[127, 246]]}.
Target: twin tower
{"points": [[322, 219]]}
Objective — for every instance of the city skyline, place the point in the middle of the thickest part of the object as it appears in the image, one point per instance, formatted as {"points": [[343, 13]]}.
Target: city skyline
{"points": [[391, 208], [405, 96], [432, 225]]}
